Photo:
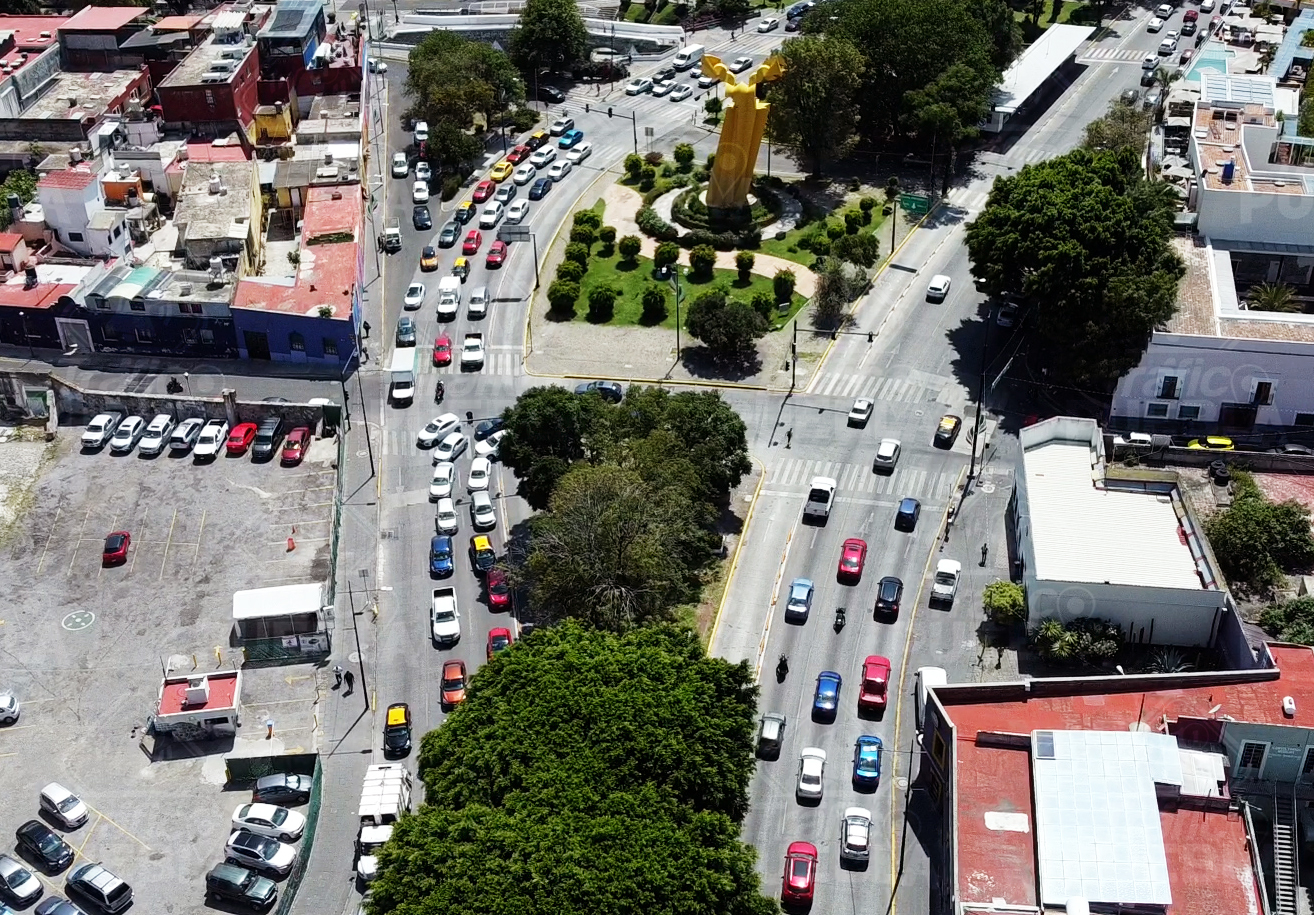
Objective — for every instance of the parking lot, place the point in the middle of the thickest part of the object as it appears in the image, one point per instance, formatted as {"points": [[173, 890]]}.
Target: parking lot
{"points": [[84, 647]]}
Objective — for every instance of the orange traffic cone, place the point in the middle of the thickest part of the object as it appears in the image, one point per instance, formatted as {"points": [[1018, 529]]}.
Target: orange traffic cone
{"points": [[291, 544]]}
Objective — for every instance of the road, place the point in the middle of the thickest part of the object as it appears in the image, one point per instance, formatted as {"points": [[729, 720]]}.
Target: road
{"points": [[924, 361]]}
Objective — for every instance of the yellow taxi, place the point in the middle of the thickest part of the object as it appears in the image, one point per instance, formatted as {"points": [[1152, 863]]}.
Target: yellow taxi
{"points": [[461, 268], [465, 212], [538, 138], [397, 730], [482, 556], [501, 171], [1211, 443]]}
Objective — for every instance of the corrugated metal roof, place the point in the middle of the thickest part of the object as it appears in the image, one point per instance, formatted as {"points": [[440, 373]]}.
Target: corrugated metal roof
{"points": [[1037, 63], [1081, 531]]}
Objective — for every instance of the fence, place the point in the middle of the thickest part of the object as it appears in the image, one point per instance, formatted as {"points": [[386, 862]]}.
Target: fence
{"points": [[288, 894]]}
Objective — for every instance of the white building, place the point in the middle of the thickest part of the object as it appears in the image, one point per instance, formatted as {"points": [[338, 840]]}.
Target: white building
{"points": [[1023, 80], [1106, 542], [69, 199]]}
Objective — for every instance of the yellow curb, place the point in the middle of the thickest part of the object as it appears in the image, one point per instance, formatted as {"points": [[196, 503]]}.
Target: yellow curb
{"points": [[734, 561]]}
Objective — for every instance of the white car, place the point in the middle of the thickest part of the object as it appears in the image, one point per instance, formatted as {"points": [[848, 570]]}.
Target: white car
{"points": [[260, 852], [768, 25], [938, 288], [421, 132], [1133, 440], [559, 170], [1167, 47], [400, 167], [544, 157], [444, 478], [490, 446], [580, 153], [491, 215], [270, 820], [375, 65], [741, 64], [1164, 11], [680, 93], [479, 302], [445, 622], [10, 708], [420, 192], [19, 884], [186, 434], [481, 471], [1155, 24], [663, 88], [438, 429], [860, 412], [127, 434], [945, 584], [446, 519], [1150, 62], [156, 436], [211, 439], [811, 768], [101, 429], [561, 125], [638, 86], [481, 511], [450, 448], [414, 296], [422, 171], [62, 804], [516, 212], [887, 454], [855, 834], [524, 174]]}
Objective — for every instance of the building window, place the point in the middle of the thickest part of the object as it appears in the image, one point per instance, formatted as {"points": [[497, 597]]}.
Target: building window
{"points": [[97, 301], [209, 98], [75, 236], [1307, 767], [111, 333], [1261, 393], [1157, 411], [189, 308], [145, 336], [330, 346], [1188, 413], [1304, 419], [1252, 756], [137, 304], [189, 336], [118, 230], [296, 342], [1170, 387], [207, 336]]}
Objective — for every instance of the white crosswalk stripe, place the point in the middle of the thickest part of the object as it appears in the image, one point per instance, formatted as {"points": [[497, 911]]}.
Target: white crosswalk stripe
{"points": [[494, 364], [797, 474], [1107, 55], [892, 390]]}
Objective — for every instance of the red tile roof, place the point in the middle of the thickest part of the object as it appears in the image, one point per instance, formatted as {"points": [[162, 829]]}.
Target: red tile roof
{"points": [[208, 152], [176, 24], [103, 18], [72, 178], [326, 276], [325, 215], [993, 863], [223, 694], [40, 296], [1209, 868], [9, 240], [27, 30]]}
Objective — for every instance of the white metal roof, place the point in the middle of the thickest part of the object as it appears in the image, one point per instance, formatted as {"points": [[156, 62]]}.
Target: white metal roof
{"points": [[280, 601], [1083, 532], [1037, 63]]}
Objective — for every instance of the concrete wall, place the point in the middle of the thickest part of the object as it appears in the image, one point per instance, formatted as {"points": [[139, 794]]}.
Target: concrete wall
{"points": [[1149, 616]]}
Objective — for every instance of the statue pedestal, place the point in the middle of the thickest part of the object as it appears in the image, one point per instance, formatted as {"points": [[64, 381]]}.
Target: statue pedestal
{"points": [[729, 216]]}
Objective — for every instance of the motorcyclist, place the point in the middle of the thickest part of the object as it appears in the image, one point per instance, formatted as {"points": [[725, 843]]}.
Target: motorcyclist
{"points": [[782, 667], [839, 618], [438, 392]]}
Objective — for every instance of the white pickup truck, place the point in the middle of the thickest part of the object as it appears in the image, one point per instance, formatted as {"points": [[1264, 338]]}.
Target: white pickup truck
{"points": [[945, 584], [445, 618], [472, 351], [820, 497]]}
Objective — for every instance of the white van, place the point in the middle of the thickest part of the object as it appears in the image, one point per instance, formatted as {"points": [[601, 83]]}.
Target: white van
{"points": [[927, 678], [688, 57], [449, 298]]}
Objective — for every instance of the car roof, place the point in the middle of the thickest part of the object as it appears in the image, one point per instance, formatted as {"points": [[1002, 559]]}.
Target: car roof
{"points": [[481, 542], [949, 565]]}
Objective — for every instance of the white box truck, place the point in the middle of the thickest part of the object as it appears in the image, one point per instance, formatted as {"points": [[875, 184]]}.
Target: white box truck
{"points": [[449, 298], [384, 796], [401, 386]]}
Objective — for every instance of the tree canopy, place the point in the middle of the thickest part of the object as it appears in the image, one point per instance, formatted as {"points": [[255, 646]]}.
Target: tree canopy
{"points": [[814, 104], [1087, 238], [1256, 540], [585, 773], [550, 35], [727, 327], [1124, 126]]}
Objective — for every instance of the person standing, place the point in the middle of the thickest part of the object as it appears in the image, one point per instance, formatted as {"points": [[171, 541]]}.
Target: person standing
{"points": [[337, 676], [351, 682]]}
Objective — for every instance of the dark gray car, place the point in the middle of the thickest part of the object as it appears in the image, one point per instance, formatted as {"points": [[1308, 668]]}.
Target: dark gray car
{"points": [[450, 231], [268, 434], [233, 883]]}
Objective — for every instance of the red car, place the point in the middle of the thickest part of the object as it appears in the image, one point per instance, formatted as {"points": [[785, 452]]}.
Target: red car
{"points": [[453, 683], [800, 877], [294, 448], [472, 242], [875, 682], [498, 640], [116, 548], [240, 438], [496, 254], [483, 190], [499, 589], [852, 559], [519, 154], [442, 350]]}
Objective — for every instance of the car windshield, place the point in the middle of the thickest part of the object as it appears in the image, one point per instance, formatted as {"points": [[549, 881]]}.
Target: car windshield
{"points": [[444, 616], [499, 587], [888, 590]]}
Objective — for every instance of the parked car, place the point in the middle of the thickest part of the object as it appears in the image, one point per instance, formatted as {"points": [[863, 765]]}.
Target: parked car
{"points": [[239, 439], [96, 885], [294, 449], [62, 805], [51, 905], [282, 788], [10, 709], [17, 882], [116, 548], [260, 853], [156, 436], [453, 683], [499, 590], [42, 844], [270, 820], [233, 883], [610, 391], [128, 433], [499, 640], [185, 436], [211, 439], [268, 434]]}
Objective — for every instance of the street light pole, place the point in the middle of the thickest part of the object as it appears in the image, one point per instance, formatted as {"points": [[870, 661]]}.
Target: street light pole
{"points": [[675, 278], [27, 336], [980, 397]]}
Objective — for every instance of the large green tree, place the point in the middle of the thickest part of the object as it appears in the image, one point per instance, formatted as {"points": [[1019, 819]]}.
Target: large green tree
{"points": [[1124, 126], [548, 429], [814, 104], [1256, 540], [728, 328], [550, 35], [1088, 239], [947, 111]]}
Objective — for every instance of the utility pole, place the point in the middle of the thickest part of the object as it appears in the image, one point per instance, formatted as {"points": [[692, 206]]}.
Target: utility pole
{"points": [[980, 397]]}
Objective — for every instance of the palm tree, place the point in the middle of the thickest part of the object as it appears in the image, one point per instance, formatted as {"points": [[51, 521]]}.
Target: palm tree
{"points": [[1274, 297]]}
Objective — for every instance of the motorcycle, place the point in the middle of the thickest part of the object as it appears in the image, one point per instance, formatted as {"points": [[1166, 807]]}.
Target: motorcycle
{"points": [[438, 392], [839, 618], [782, 668], [174, 386]]}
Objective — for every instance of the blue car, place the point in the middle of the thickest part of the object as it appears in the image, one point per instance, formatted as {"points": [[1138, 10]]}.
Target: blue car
{"points": [[440, 556], [800, 600], [570, 138], [826, 700], [867, 762], [540, 189]]}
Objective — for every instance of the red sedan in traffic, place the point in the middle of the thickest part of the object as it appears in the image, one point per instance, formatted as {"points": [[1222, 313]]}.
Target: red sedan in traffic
{"points": [[442, 350], [472, 242], [240, 439], [499, 589], [116, 548], [483, 190], [496, 254], [800, 877], [852, 558], [875, 683], [519, 154]]}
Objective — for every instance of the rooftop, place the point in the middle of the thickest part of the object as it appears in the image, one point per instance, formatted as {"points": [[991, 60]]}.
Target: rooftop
{"points": [[326, 275], [309, 172], [128, 282], [1207, 302], [28, 30], [78, 96], [210, 211], [215, 151], [1037, 63], [292, 18], [103, 18], [1084, 528], [222, 687], [331, 211], [220, 58], [75, 179], [53, 281], [177, 23]]}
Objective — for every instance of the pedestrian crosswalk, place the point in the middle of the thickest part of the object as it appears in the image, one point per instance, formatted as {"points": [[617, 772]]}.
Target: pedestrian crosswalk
{"points": [[1109, 55], [894, 390], [495, 363], [931, 487]]}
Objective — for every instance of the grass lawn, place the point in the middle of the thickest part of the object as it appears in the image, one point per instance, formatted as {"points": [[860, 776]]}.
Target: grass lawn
{"points": [[1065, 15], [782, 247]]}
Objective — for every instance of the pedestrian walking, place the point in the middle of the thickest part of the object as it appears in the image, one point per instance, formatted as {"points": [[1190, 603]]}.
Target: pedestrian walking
{"points": [[985, 551], [789, 437], [351, 682], [337, 676]]}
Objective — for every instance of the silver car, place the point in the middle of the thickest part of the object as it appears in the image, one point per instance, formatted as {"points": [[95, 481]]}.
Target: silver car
{"points": [[156, 435], [855, 835], [811, 768], [17, 881], [127, 435], [481, 511], [9, 708], [887, 454]]}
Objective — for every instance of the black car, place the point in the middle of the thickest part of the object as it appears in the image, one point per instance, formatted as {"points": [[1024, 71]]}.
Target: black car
{"points": [[42, 844], [909, 511], [95, 885], [487, 428], [550, 94], [609, 391], [888, 594], [234, 883], [282, 789], [405, 332], [421, 219], [268, 435], [447, 237], [663, 75], [540, 188], [57, 905]]}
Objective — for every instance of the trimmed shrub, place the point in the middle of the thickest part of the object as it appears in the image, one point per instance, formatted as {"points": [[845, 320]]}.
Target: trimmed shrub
{"points": [[523, 119], [452, 185], [562, 295], [647, 178], [654, 226], [711, 160], [701, 260], [630, 246], [653, 158], [633, 166], [570, 271], [684, 156], [783, 284], [654, 304], [607, 235], [587, 218], [578, 253], [602, 304], [744, 261], [667, 253], [762, 304], [834, 230], [584, 235], [852, 223]]}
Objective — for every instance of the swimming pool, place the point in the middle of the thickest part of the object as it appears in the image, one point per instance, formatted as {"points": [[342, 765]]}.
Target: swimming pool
{"points": [[1212, 58]]}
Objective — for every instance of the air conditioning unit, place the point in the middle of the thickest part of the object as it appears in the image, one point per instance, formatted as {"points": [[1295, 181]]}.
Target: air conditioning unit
{"points": [[184, 289], [233, 54], [198, 690], [214, 78], [222, 66]]}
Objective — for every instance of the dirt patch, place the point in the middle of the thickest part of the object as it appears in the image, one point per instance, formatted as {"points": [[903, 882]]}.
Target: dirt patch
{"points": [[19, 472]]}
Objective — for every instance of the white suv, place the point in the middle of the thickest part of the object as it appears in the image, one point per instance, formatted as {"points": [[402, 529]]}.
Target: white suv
{"points": [[211, 439]]}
